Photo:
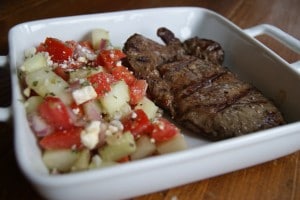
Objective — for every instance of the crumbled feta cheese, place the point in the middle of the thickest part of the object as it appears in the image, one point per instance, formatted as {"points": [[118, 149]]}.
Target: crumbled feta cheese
{"points": [[96, 160], [84, 94], [119, 63], [161, 126], [90, 135], [85, 52], [26, 92], [91, 56], [115, 126], [49, 61], [82, 59], [152, 140], [76, 111], [64, 65], [133, 115], [118, 124]]}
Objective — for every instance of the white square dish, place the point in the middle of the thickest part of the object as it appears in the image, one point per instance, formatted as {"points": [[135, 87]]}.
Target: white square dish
{"points": [[243, 55]]}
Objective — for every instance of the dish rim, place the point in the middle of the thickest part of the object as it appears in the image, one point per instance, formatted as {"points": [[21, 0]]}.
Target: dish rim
{"points": [[153, 162]]}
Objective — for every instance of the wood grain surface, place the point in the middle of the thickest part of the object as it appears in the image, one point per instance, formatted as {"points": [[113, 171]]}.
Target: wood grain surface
{"points": [[275, 180]]}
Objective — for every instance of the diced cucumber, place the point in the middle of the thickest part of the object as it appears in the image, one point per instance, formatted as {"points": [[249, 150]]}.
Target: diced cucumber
{"points": [[34, 63], [98, 36], [177, 143], [144, 148], [115, 99], [32, 103], [122, 112], [83, 73], [148, 107], [45, 82], [82, 161], [118, 148], [61, 160]]}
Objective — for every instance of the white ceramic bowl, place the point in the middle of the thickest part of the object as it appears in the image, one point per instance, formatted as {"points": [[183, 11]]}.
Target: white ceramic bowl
{"points": [[254, 62]]}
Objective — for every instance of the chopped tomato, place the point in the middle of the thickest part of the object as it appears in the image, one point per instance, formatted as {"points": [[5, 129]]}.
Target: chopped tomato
{"points": [[109, 58], [58, 50], [137, 123], [41, 47], [55, 113], [137, 91], [62, 139], [62, 73], [101, 82], [163, 130], [122, 73]]}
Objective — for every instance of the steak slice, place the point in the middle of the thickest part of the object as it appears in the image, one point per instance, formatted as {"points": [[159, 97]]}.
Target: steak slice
{"points": [[187, 80], [202, 48]]}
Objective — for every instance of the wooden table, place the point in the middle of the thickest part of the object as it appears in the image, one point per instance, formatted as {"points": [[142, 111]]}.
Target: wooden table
{"points": [[278, 179]]}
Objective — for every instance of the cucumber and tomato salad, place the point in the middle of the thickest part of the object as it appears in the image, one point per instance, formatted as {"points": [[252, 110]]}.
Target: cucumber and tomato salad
{"points": [[89, 111]]}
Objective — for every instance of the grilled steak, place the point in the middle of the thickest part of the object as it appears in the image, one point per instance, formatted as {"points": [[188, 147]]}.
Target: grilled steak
{"points": [[188, 80]]}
